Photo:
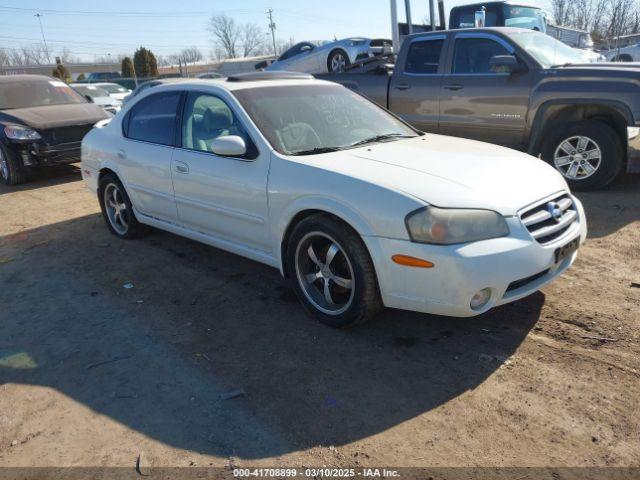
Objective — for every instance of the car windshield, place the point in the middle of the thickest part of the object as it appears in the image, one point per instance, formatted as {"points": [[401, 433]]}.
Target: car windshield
{"points": [[306, 119], [36, 93], [524, 17], [113, 88], [546, 50], [91, 90]]}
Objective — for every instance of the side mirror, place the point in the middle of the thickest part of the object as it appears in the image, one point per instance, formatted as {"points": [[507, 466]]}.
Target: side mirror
{"points": [[306, 49], [504, 64], [229, 146], [89, 98]]}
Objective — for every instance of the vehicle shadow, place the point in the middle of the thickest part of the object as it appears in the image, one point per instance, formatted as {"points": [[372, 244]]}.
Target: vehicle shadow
{"points": [[612, 208], [46, 177], [210, 352]]}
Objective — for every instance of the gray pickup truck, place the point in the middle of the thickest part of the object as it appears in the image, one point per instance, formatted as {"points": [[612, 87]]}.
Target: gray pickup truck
{"points": [[518, 88]]}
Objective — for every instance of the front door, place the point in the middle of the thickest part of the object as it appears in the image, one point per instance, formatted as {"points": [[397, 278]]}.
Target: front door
{"points": [[414, 92], [223, 197], [481, 104]]}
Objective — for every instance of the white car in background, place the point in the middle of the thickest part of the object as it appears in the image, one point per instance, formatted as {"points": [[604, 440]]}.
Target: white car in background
{"points": [[114, 90], [98, 96], [354, 206], [327, 56]]}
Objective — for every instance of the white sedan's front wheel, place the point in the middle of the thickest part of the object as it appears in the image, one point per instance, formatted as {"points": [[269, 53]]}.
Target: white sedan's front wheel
{"points": [[331, 271]]}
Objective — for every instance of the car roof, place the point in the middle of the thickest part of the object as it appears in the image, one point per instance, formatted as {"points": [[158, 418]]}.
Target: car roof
{"points": [[500, 30], [231, 86]]}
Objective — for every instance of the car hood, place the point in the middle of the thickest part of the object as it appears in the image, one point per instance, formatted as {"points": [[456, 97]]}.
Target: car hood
{"points": [[629, 69], [53, 116], [450, 172]]}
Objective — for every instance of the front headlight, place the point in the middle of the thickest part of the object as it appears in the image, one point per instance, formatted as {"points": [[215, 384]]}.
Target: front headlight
{"points": [[16, 132], [443, 226]]}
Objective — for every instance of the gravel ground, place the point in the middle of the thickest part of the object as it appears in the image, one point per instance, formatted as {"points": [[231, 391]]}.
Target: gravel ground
{"points": [[92, 373]]}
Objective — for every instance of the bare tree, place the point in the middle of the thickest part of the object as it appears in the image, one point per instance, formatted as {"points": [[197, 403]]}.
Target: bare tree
{"points": [[252, 38], [562, 11], [191, 55], [226, 34], [5, 59]]}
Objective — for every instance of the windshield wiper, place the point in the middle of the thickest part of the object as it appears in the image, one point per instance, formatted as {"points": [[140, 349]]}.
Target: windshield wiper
{"points": [[316, 151], [379, 138]]}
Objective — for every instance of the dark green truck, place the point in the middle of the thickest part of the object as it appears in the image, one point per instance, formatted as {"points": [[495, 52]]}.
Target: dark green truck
{"points": [[518, 88]]}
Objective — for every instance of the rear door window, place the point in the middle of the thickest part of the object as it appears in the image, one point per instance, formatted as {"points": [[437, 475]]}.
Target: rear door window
{"points": [[424, 57], [153, 120]]}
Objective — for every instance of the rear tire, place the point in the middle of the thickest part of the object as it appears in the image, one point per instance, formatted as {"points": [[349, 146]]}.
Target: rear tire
{"points": [[117, 209], [589, 154], [11, 170], [336, 283]]}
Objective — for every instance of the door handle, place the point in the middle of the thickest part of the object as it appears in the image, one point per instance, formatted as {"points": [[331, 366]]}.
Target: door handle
{"points": [[454, 87], [181, 167], [121, 154], [403, 86]]}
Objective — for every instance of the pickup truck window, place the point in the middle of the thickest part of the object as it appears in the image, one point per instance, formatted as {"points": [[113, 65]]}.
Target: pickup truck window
{"points": [[424, 57], [473, 55]]}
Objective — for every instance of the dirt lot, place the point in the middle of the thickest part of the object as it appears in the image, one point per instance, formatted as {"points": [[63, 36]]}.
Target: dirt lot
{"points": [[92, 373]]}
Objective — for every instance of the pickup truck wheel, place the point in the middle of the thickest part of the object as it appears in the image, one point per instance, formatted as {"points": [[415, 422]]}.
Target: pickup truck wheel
{"points": [[588, 154], [338, 61], [11, 172], [117, 210], [331, 272]]}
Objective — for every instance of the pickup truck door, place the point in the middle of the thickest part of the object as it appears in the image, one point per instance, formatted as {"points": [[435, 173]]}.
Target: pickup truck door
{"points": [[414, 90], [478, 103]]}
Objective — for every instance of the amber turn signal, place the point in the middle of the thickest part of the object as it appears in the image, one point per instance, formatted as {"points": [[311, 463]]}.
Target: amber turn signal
{"points": [[408, 261]]}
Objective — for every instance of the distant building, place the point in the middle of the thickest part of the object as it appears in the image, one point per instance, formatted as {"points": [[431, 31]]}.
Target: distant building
{"points": [[75, 69]]}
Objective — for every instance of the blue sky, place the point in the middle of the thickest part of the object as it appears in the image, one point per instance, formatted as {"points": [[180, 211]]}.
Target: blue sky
{"points": [[123, 25]]}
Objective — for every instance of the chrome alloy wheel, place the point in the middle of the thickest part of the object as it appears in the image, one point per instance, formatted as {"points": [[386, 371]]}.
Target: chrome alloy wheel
{"points": [[325, 273], [116, 208], [577, 157], [4, 166], [338, 62]]}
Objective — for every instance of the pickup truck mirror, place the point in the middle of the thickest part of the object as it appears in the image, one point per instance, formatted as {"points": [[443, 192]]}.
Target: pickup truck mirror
{"points": [[504, 64]]}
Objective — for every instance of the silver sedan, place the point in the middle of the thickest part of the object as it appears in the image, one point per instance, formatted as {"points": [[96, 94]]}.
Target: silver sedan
{"points": [[327, 56]]}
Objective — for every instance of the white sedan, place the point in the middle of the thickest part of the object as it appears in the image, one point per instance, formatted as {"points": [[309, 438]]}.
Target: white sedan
{"points": [[354, 206]]}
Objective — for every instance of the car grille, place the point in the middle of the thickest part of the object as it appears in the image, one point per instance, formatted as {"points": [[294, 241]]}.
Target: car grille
{"points": [[546, 227], [74, 133]]}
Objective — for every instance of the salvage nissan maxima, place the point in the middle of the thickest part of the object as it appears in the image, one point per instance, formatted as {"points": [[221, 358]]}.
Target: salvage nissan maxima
{"points": [[358, 209]]}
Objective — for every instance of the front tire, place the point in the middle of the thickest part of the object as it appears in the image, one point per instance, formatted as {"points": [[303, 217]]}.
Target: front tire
{"points": [[11, 171], [589, 154], [117, 209], [331, 272], [338, 61]]}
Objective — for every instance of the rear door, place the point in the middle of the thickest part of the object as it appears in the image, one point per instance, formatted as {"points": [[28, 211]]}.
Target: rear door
{"points": [[414, 91], [145, 154], [476, 102]]}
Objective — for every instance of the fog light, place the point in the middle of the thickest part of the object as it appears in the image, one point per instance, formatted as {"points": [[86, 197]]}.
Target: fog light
{"points": [[480, 299]]}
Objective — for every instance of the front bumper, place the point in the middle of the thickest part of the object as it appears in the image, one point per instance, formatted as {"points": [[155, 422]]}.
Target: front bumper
{"points": [[511, 267], [36, 154]]}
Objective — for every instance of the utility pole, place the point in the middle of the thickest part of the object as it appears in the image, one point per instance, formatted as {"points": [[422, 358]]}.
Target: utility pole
{"points": [[272, 27], [46, 49]]}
